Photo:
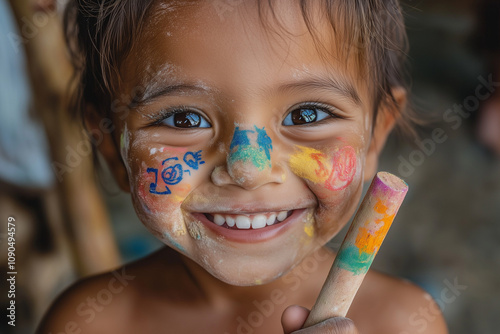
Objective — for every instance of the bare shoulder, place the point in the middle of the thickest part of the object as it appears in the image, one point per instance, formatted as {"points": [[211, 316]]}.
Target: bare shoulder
{"points": [[393, 305], [106, 303], [81, 307]]}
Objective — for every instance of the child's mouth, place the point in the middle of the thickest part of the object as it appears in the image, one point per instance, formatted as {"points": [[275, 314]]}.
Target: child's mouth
{"points": [[248, 221]]}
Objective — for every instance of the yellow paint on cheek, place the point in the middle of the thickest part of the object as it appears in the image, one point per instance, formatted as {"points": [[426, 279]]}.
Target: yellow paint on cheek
{"points": [[179, 231], [179, 193], [309, 229], [310, 164]]}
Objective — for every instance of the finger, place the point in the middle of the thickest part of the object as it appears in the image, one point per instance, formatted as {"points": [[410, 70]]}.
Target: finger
{"points": [[337, 325], [293, 318]]}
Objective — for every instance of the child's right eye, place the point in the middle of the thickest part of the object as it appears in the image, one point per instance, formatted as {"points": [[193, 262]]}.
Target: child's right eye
{"points": [[185, 119], [309, 114]]}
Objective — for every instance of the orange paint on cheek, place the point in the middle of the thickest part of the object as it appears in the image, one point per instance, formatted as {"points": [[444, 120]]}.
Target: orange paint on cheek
{"points": [[145, 197], [180, 192]]}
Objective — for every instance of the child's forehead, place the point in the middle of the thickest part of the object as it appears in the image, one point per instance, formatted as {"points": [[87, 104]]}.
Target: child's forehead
{"points": [[203, 36]]}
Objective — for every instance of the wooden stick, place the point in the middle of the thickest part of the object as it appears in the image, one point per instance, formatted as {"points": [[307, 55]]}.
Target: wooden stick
{"points": [[362, 242]]}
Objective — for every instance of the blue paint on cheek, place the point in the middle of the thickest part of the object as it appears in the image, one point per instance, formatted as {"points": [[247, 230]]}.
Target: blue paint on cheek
{"points": [[174, 243], [173, 172], [193, 159]]}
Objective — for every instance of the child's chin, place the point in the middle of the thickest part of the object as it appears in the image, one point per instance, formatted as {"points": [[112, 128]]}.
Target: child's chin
{"points": [[244, 281], [235, 277]]}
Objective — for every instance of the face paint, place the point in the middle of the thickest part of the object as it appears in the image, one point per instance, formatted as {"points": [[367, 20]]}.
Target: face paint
{"points": [[173, 172], [244, 156], [251, 146], [344, 169], [313, 165], [174, 243], [196, 230], [124, 143], [178, 150], [124, 148], [310, 164]]}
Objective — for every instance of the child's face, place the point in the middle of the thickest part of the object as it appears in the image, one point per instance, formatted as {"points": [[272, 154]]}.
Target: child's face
{"points": [[248, 149]]}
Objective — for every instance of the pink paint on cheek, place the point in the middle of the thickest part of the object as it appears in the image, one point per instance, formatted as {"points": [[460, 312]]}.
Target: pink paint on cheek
{"points": [[344, 169]]}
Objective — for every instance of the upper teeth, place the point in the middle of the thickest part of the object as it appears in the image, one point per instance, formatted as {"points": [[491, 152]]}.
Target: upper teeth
{"points": [[246, 222]]}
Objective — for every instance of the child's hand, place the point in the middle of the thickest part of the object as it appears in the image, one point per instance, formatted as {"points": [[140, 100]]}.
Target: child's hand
{"points": [[294, 317]]}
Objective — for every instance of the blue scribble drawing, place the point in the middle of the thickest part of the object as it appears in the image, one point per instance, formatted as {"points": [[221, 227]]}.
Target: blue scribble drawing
{"points": [[173, 174], [152, 186], [193, 159]]}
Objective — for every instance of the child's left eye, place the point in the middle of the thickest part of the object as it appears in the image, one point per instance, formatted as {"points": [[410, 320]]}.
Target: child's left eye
{"points": [[186, 120], [306, 115]]}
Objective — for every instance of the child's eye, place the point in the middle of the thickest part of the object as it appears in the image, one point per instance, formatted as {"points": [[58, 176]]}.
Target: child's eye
{"points": [[307, 115], [185, 119]]}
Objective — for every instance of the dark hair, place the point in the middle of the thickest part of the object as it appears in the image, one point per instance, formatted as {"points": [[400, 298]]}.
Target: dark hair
{"points": [[101, 33]]}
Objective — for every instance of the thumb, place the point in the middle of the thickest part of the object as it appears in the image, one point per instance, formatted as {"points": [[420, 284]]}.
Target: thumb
{"points": [[293, 318]]}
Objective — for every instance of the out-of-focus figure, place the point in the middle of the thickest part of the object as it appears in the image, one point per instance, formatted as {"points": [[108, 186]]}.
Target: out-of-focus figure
{"points": [[46, 180], [488, 42]]}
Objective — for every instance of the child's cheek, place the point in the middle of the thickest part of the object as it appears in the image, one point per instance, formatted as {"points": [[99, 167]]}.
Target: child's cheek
{"points": [[163, 180], [335, 179], [333, 171]]}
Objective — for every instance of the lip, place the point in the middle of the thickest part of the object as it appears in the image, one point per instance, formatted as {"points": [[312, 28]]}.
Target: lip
{"points": [[251, 235]]}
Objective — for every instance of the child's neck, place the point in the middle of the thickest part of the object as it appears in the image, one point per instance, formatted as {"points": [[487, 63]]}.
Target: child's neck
{"points": [[301, 285]]}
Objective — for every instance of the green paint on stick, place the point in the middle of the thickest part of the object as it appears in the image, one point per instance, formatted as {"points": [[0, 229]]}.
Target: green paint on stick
{"points": [[352, 259]]}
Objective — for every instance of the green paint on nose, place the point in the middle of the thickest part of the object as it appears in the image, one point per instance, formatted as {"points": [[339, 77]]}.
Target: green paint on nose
{"points": [[258, 153]]}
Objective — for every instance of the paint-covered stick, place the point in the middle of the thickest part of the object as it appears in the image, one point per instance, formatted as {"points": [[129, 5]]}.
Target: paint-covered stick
{"points": [[362, 242]]}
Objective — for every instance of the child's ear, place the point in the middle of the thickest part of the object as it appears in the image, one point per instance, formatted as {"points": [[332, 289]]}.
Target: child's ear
{"points": [[103, 129], [386, 119]]}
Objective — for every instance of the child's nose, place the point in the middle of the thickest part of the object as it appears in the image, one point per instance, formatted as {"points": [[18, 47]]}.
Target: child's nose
{"points": [[249, 162]]}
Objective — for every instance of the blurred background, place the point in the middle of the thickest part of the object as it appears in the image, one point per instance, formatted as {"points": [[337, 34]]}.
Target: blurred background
{"points": [[445, 239]]}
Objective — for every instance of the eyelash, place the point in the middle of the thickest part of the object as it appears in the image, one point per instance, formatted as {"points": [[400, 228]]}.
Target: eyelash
{"points": [[166, 113], [328, 109]]}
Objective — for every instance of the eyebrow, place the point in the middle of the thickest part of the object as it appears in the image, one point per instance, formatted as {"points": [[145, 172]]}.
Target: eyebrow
{"points": [[341, 87], [168, 90]]}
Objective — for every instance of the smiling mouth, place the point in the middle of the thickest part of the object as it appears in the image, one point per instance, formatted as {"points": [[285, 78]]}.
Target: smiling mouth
{"points": [[248, 221]]}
